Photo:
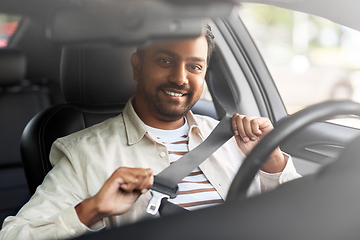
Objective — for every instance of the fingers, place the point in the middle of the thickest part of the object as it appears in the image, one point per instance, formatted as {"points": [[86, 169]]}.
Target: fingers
{"points": [[131, 179], [250, 128], [245, 127]]}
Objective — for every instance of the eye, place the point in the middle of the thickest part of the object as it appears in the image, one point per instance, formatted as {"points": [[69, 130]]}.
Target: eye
{"points": [[164, 61], [195, 67]]}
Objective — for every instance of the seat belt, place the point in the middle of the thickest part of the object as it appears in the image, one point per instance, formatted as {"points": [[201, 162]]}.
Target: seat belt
{"points": [[165, 184]]}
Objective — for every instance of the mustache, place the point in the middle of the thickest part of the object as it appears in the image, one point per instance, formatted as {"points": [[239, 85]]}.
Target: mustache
{"points": [[176, 87]]}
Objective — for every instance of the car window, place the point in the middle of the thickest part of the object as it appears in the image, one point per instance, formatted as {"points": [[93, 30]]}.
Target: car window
{"points": [[8, 26], [206, 94], [311, 59]]}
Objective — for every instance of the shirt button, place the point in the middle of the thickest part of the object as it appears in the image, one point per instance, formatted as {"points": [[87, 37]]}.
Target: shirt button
{"points": [[72, 231], [162, 154]]}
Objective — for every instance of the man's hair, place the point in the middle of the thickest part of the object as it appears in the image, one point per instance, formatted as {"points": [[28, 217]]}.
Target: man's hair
{"points": [[210, 41]]}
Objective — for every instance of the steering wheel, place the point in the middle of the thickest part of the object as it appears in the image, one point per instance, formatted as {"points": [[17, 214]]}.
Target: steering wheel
{"points": [[283, 130]]}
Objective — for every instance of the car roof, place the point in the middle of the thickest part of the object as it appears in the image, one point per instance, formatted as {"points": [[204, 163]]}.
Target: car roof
{"points": [[145, 15]]}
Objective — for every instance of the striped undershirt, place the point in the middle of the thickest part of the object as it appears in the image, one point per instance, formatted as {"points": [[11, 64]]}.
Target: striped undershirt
{"points": [[195, 191]]}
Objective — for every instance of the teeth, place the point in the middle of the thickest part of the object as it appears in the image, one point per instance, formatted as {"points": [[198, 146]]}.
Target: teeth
{"points": [[174, 94]]}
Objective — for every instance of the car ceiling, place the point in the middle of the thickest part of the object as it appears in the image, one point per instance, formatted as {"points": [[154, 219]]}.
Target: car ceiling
{"points": [[344, 12]]}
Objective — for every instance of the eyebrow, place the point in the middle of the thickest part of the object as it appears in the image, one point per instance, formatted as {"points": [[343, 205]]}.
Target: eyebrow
{"points": [[174, 55]]}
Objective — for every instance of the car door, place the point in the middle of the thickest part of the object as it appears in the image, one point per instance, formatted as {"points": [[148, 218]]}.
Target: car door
{"points": [[252, 87]]}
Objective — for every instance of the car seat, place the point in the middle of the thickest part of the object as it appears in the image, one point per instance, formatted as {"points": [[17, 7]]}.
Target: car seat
{"points": [[96, 84]]}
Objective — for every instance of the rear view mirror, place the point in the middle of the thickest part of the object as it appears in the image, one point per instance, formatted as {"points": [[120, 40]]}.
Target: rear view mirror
{"points": [[134, 22]]}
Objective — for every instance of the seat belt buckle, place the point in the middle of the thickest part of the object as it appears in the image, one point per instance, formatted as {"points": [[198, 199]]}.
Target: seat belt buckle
{"points": [[159, 192], [155, 202]]}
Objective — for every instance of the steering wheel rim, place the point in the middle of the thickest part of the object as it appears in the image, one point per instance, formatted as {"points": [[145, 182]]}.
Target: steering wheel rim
{"points": [[283, 130]]}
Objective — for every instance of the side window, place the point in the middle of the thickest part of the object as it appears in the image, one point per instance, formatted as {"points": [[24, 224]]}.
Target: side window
{"points": [[311, 59], [8, 26]]}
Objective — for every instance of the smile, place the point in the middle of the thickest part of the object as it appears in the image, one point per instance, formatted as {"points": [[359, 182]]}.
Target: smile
{"points": [[174, 94]]}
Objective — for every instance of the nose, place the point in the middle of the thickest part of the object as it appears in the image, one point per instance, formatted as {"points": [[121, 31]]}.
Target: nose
{"points": [[179, 75]]}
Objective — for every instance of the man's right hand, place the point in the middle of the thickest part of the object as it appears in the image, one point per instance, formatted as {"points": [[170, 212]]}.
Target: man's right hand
{"points": [[117, 195]]}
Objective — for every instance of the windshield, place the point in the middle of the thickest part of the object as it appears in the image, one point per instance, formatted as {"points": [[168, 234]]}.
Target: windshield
{"points": [[311, 59]]}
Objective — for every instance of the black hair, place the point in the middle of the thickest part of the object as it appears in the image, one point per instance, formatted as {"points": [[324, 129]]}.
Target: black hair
{"points": [[210, 41]]}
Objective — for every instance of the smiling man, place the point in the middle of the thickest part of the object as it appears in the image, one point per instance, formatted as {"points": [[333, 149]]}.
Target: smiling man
{"points": [[102, 174], [170, 80]]}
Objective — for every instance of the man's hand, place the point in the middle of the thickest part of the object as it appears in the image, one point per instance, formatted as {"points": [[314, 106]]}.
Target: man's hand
{"points": [[249, 131], [117, 195]]}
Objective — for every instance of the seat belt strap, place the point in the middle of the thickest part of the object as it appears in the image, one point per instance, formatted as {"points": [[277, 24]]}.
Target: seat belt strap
{"points": [[171, 176], [166, 182]]}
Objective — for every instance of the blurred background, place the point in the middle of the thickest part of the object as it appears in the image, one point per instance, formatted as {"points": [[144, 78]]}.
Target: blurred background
{"points": [[311, 59], [8, 26]]}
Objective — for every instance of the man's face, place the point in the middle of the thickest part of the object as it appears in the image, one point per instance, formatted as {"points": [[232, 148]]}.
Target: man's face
{"points": [[170, 78]]}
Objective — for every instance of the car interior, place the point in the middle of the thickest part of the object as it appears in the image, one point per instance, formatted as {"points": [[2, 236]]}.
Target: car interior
{"points": [[14, 93], [87, 74], [59, 81]]}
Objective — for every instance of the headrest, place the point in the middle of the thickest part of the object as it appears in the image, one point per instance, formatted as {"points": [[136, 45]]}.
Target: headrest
{"points": [[12, 67], [97, 76]]}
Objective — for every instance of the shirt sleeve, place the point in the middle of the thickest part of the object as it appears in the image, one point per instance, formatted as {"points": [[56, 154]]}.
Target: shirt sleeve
{"points": [[50, 213], [270, 181]]}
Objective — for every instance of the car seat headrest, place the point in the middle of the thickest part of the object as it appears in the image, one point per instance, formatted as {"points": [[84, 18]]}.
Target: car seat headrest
{"points": [[97, 76], [12, 67]]}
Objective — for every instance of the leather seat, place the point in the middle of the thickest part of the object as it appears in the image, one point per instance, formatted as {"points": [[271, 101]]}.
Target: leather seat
{"points": [[96, 84]]}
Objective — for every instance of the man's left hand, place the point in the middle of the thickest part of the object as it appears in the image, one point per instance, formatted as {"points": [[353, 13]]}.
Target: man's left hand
{"points": [[249, 131]]}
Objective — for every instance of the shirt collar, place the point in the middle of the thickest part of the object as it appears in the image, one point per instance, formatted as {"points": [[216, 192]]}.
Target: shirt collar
{"points": [[194, 127], [135, 128]]}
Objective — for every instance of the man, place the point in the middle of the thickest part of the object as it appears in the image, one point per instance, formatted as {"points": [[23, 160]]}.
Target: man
{"points": [[102, 174]]}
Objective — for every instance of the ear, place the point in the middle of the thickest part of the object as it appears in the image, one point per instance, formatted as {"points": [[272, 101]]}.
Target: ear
{"points": [[136, 65]]}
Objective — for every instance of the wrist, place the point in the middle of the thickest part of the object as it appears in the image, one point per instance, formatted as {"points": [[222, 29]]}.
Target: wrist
{"points": [[275, 163], [87, 212]]}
